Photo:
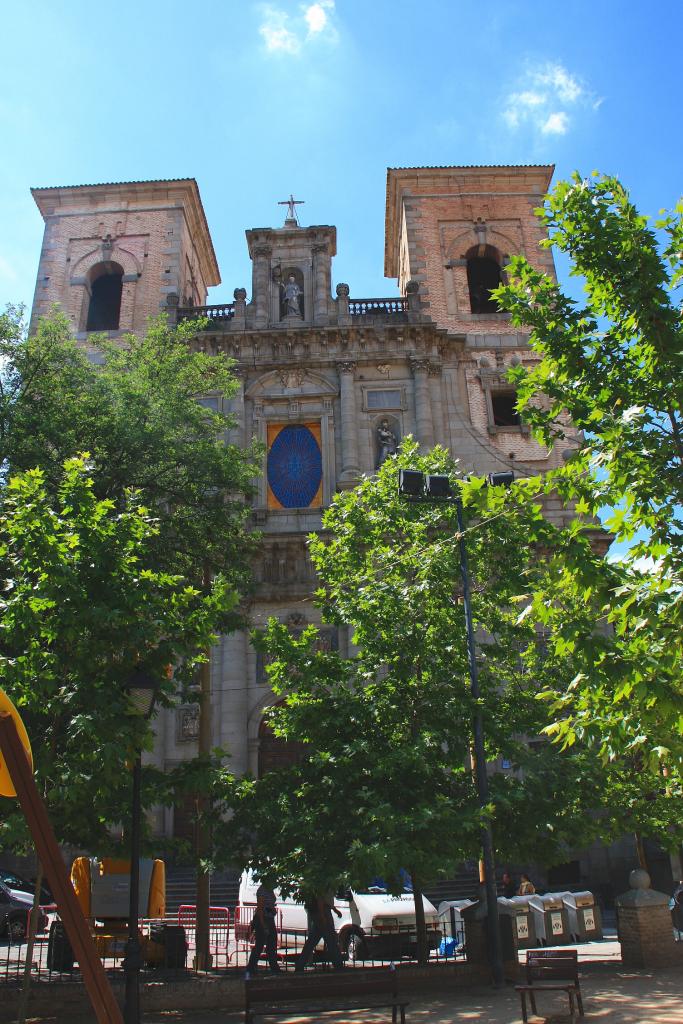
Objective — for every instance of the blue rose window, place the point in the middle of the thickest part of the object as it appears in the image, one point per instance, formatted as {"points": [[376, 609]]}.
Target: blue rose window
{"points": [[295, 467]]}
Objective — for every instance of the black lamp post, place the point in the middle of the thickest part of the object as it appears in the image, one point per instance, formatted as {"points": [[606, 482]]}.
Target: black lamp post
{"points": [[415, 486], [141, 689]]}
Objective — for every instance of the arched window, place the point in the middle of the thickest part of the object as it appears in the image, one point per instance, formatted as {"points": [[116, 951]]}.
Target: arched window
{"points": [[106, 285], [275, 752], [483, 275]]}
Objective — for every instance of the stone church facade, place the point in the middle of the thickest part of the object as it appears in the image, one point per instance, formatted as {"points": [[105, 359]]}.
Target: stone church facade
{"points": [[329, 383]]}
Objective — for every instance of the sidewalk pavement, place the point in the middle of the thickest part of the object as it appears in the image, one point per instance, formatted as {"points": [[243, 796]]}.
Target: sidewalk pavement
{"points": [[611, 995]]}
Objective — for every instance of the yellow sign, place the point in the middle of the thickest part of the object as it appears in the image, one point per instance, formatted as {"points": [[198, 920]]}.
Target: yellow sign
{"points": [[8, 708]]}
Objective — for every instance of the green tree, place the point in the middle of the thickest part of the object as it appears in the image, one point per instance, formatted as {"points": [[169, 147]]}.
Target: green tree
{"points": [[385, 782], [83, 605], [135, 404], [612, 366]]}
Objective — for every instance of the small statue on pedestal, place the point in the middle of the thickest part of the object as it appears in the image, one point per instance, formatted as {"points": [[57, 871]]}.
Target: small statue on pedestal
{"points": [[387, 442]]}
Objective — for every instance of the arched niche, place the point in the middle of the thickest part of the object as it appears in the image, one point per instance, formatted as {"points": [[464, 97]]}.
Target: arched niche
{"points": [[105, 281], [275, 752], [292, 302], [484, 274], [386, 433]]}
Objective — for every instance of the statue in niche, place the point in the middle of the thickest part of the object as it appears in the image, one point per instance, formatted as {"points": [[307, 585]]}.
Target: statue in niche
{"points": [[387, 442], [291, 298]]}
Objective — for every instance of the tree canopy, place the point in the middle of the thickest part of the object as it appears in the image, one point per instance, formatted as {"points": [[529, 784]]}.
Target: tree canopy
{"points": [[612, 366], [135, 404], [385, 782], [82, 606]]}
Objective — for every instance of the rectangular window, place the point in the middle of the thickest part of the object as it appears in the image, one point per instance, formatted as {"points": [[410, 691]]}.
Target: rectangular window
{"points": [[504, 412], [384, 399]]}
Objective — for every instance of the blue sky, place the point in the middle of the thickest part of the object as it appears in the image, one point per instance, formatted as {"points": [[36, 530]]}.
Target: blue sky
{"points": [[257, 100]]}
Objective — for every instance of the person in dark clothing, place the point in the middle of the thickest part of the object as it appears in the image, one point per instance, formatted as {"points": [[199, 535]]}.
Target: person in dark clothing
{"points": [[263, 929], [320, 925], [509, 887], [677, 910]]}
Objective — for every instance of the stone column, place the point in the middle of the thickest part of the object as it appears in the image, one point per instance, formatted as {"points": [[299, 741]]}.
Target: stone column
{"points": [[237, 432], [171, 309], [423, 411], [414, 304], [343, 316], [644, 926], [437, 403], [261, 284], [234, 700], [239, 319], [319, 284], [349, 426]]}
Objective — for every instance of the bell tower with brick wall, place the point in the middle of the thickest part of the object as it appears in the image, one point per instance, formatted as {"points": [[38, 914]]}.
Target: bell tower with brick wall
{"points": [[115, 254], [447, 228]]}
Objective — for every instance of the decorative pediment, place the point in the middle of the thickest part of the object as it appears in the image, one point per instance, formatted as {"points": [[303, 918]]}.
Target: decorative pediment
{"points": [[289, 382]]}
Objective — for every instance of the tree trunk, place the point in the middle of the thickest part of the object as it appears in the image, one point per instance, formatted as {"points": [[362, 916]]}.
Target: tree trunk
{"points": [[420, 928], [32, 926], [640, 850], [203, 959]]}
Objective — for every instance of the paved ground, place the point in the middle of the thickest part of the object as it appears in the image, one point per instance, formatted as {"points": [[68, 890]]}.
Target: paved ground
{"points": [[612, 995]]}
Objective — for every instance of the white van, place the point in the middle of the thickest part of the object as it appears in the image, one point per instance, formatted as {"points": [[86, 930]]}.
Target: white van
{"points": [[373, 924]]}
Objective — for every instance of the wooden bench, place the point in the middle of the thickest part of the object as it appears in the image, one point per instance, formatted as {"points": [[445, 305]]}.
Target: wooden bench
{"points": [[551, 970], [312, 993]]}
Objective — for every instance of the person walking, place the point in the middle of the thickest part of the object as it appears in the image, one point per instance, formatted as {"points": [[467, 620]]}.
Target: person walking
{"points": [[509, 887], [677, 910], [319, 910], [263, 930], [526, 886]]}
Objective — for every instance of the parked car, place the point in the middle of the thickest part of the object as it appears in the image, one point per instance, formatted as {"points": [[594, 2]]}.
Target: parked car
{"points": [[14, 911], [373, 923], [23, 885]]}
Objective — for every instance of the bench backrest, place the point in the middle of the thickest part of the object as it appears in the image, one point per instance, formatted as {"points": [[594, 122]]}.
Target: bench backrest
{"points": [[352, 985], [552, 965]]}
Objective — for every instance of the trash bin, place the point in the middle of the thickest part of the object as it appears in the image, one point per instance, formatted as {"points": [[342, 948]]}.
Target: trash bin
{"points": [[516, 924], [550, 918], [583, 915], [452, 925]]}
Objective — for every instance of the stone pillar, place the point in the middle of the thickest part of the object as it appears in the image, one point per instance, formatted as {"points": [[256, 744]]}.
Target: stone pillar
{"points": [[423, 410], [644, 926], [437, 403], [343, 316], [239, 319], [171, 308], [414, 304], [236, 433], [235, 700], [319, 284], [349, 425], [261, 284]]}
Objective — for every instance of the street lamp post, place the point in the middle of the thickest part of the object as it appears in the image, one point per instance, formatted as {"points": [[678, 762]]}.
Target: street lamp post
{"points": [[415, 486], [141, 688]]}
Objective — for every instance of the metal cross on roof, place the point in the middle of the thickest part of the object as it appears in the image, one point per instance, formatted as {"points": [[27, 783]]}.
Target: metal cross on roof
{"points": [[291, 203]]}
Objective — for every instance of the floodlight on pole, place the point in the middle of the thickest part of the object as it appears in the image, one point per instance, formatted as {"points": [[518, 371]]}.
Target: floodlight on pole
{"points": [[437, 487], [141, 688]]}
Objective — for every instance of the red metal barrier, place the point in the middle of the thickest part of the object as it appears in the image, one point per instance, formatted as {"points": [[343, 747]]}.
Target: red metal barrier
{"points": [[219, 931]]}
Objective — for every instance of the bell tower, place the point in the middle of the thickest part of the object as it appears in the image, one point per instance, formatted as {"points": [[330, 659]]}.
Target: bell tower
{"points": [[452, 230], [115, 254]]}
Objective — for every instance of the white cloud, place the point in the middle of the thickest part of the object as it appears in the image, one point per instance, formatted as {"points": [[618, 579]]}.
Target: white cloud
{"points": [[277, 37], [285, 33], [555, 124], [316, 16], [544, 96]]}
